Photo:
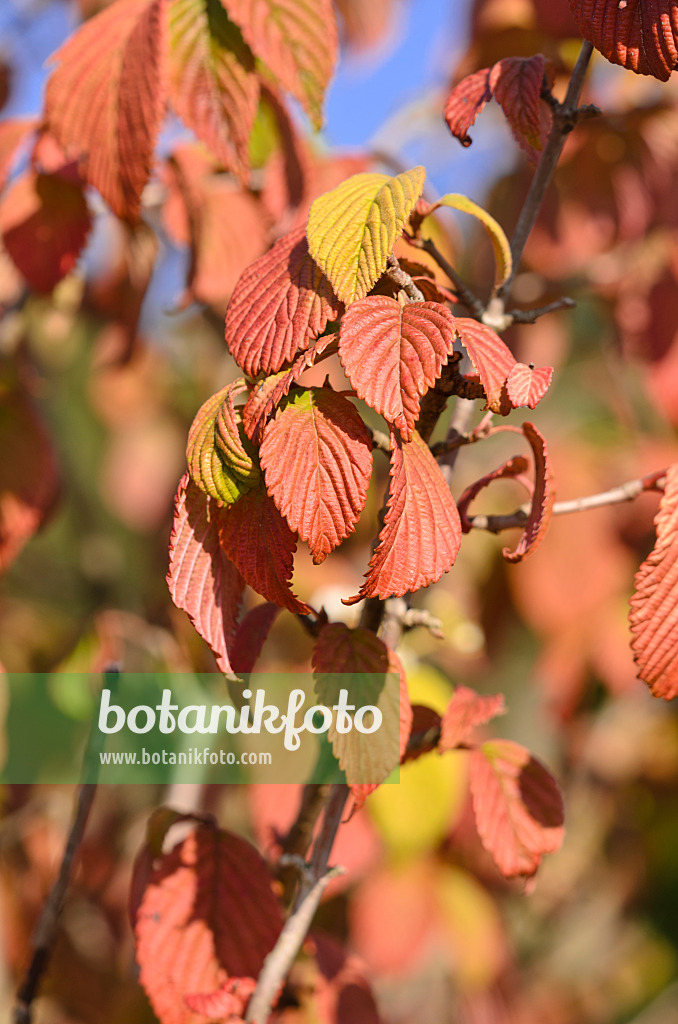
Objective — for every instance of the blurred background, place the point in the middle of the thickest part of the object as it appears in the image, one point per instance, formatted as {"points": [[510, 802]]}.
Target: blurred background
{"points": [[101, 372]]}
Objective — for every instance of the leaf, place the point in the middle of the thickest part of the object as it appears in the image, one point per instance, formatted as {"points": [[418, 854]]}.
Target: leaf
{"points": [[208, 914], [527, 386], [219, 458], [201, 578], [655, 601], [105, 99], [212, 83], [641, 35], [517, 806], [317, 461], [464, 713], [297, 40], [227, 1002], [250, 636], [491, 357], [393, 354], [517, 84], [12, 133], [500, 243], [542, 498], [421, 534], [465, 102], [268, 394], [341, 652], [352, 229], [280, 304], [44, 221], [260, 543], [29, 476], [514, 467]]}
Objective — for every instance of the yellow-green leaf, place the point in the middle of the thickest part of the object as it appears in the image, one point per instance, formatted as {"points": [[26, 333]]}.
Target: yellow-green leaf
{"points": [[352, 229], [500, 243], [218, 453]]}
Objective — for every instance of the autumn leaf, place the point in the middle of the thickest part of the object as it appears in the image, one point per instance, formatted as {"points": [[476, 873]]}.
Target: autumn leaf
{"points": [[517, 805], [228, 1002], [526, 386], [352, 229], [220, 458], [44, 222], [464, 713], [208, 915], [496, 234], [513, 468], [641, 35], [212, 83], [543, 497], [358, 661], [655, 601], [105, 99], [280, 304], [201, 578], [421, 533], [296, 40], [317, 461], [491, 357], [259, 542], [465, 102], [393, 354], [250, 636]]}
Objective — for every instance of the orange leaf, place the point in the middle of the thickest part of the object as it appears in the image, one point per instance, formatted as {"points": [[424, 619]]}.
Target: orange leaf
{"points": [[465, 711], [542, 498], [491, 357], [641, 35], [514, 468], [527, 386], [105, 99], [654, 605]]}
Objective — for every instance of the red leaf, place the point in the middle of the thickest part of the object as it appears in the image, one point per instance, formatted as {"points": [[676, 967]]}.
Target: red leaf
{"points": [[542, 498], [465, 711], [280, 304], [12, 133], [270, 392], [465, 102], [297, 41], [393, 354], [492, 359], [201, 578], [44, 221], [251, 635], [208, 914], [341, 651], [517, 806], [212, 83], [317, 461], [344, 994], [105, 100], [512, 468], [641, 35], [228, 1001], [516, 85], [654, 605], [29, 480], [527, 386], [421, 534], [260, 543]]}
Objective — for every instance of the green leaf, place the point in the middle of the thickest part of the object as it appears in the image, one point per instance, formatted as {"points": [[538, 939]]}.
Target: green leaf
{"points": [[219, 455], [500, 243], [352, 229]]}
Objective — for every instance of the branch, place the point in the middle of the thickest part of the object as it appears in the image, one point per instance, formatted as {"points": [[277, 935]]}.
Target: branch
{"points": [[530, 316], [403, 280], [469, 299], [616, 496]]}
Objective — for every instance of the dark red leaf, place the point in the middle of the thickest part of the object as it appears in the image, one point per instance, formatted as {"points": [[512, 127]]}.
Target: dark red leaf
{"points": [[106, 98], [344, 994], [424, 732], [654, 605], [317, 461], [393, 354], [641, 35], [201, 579], [511, 469], [250, 636], [517, 806], [465, 102], [260, 543], [280, 304], [464, 713], [208, 914], [491, 357], [421, 534], [527, 386], [542, 498], [44, 221], [516, 85]]}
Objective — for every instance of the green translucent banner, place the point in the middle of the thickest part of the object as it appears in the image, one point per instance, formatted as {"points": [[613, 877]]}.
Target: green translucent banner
{"points": [[132, 728]]}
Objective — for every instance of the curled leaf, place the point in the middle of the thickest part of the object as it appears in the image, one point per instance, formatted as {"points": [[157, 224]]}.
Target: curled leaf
{"points": [[217, 454], [542, 498], [464, 713], [514, 468], [465, 102], [500, 243]]}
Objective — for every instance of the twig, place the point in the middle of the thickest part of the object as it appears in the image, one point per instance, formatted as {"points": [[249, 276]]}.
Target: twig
{"points": [[530, 316], [403, 280], [616, 496], [46, 929], [464, 293]]}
